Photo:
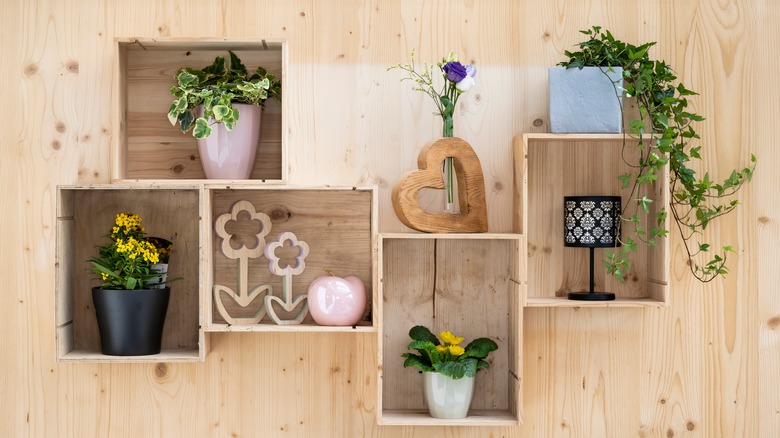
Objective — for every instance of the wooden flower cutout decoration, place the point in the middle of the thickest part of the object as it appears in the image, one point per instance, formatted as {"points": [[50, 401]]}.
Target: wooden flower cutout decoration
{"points": [[243, 252], [300, 259], [244, 297], [287, 302]]}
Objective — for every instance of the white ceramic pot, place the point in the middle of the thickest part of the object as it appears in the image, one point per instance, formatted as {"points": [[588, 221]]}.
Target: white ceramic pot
{"points": [[231, 154], [447, 397]]}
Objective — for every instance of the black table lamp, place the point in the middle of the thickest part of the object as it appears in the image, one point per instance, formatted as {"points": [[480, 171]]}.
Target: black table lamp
{"points": [[591, 222]]}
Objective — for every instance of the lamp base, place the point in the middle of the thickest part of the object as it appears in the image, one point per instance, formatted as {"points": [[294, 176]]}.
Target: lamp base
{"points": [[592, 296]]}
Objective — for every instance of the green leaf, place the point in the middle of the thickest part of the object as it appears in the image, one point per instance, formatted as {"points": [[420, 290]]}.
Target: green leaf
{"points": [[220, 111], [480, 348], [645, 202], [624, 180], [186, 79], [421, 333], [100, 268], [457, 369], [413, 360], [202, 128], [236, 66], [427, 349], [447, 105], [217, 68], [185, 119]]}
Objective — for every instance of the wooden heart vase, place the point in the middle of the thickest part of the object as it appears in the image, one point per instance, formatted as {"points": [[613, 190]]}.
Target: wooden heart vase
{"points": [[471, 189]]}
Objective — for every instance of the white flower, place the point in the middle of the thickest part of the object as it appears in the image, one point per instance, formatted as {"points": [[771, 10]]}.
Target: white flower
{"points": [[465, 84]]}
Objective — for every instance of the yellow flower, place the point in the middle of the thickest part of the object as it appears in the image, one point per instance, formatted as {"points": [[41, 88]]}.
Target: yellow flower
{"points": [[450, 339], [456, 350], [104, 275], [441, 348]]}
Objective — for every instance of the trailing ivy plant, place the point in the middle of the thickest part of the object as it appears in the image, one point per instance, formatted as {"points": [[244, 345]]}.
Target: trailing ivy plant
{"points": [[663, 103], [216, 88]]}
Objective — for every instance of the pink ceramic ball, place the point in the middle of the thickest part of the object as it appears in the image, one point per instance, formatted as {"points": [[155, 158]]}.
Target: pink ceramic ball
{"points": [[336, 300]]}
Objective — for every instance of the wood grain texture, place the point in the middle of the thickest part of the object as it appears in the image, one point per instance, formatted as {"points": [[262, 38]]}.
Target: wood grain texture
{"points": [[705, 366], [469, 183]]}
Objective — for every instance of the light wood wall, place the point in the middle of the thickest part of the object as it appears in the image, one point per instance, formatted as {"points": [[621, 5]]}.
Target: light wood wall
{"points": [[706, 366]]}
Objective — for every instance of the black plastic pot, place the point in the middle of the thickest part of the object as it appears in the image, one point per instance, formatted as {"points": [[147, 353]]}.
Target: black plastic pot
{"points": [[130, 321]]}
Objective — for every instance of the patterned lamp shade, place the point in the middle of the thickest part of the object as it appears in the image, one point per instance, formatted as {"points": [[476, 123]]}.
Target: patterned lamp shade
{"points": [[591, 221]]}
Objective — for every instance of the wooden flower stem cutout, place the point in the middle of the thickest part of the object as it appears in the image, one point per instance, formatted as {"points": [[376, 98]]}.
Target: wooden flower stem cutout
{"points": [[471, 189], [287, 301], [244, 297]]}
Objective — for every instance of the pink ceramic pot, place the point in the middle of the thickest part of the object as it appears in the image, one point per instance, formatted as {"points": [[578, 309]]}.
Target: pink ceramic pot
{"points": [[337, 301], [231, 154]]}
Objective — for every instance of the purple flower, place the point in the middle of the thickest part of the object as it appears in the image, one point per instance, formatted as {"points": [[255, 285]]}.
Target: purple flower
{"points": [[455, 71], [471, 70]]}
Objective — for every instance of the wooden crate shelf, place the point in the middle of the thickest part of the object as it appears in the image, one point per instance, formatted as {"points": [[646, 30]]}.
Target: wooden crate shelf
{"points": [[468, 284], [551, 166], [338, 223], [85, 215], [148, 146]]}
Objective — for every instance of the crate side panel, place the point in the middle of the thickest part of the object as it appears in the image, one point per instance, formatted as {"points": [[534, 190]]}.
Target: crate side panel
{"points": [[64, 266]]}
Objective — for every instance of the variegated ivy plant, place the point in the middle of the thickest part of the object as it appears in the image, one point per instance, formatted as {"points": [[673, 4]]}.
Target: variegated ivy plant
{"points": [[217, 87]]}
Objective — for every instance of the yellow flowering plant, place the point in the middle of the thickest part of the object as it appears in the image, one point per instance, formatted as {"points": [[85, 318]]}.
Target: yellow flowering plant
{"points": [[446, 356], [124, 262]]}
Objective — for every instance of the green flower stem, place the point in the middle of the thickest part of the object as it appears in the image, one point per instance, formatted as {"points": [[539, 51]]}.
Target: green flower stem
{"points": [[449, 170]]}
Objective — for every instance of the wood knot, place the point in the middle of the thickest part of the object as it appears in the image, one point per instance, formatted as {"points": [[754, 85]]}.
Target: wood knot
{"points": [[161, 370], [60, 127], [498, 186], [56, 145], [72, 66], [30, 69], [670, 433], [763, 220], [303, 14], [773, 322], [178, 168], [280, 214], [538, 122], [690, 426]]}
